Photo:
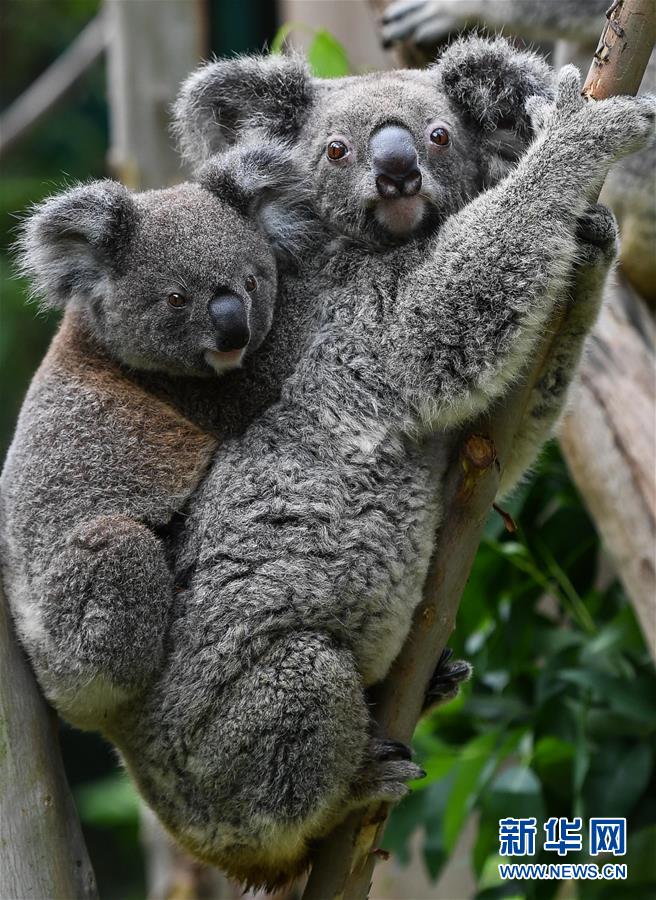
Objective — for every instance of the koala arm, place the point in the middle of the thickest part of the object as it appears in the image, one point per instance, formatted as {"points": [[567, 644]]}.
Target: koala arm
{"points": [[469, 318], [429, 22], [596, 236]]}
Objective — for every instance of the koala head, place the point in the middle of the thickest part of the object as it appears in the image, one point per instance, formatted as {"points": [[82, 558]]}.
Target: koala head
{"points": [[387, 155], [181, 280]]}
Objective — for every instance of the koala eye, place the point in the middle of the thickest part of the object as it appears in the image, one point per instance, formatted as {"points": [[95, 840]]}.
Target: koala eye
{"points": [[336, 150], [177, 300], [440, 136], [251, 283]]}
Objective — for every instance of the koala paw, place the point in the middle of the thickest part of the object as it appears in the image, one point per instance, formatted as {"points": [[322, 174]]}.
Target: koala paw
{"points": [[446, 680], [597, 236], [604, 129], [107, 601], [384, 776], [419, 21]]}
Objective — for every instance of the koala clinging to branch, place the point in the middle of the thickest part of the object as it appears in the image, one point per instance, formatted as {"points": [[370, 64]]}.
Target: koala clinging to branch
{"points": [[377, 173], [178, 283], [307, 543], [574, 27]]}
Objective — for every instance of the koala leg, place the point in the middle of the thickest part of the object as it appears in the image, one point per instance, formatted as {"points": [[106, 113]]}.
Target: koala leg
{"points": [[267, 762], [446, 680], [105, 606], [596, 239]]}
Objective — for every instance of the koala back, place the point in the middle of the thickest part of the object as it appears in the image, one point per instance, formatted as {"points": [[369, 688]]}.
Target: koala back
{"points": [[90, 440]]}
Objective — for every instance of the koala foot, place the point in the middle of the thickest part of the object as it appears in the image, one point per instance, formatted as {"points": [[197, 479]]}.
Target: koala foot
{"points": [[446, 680], [596, 236], [384, 776], [106, 605], [418, 22]]}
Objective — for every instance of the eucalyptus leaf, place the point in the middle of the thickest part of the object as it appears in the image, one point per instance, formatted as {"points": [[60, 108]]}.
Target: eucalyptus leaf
{"points": [[327, 57]]}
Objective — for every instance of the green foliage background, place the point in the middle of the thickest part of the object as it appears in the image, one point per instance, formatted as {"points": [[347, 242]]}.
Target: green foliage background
{"points": [[558, 719]]}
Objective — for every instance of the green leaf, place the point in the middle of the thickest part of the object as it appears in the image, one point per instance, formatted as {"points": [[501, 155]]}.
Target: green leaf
{"points": [[108, 802], [474, 759], [641, 858], [515, 792], [434, 848], [327, 57], [404, 820], [633, 699], [553, 761], [617, 777], [280, 37]]}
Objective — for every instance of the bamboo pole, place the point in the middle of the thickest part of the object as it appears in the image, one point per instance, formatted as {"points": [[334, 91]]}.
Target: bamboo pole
{"points": [[343, 864]]}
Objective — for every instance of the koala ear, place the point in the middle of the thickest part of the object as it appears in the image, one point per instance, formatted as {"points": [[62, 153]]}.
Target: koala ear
{"points": [[222, 100], [72, 242], [264, 183], [489, 81]]}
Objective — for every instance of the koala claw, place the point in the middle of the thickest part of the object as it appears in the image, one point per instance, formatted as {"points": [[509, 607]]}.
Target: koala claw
{"points": [[596, 235], [385, 781], [446, 679], [381, 750], [614, 127]]}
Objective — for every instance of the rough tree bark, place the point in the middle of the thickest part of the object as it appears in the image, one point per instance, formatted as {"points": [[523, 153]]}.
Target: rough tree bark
{"points": [[42, 852], [343, 864], [608, 438]]}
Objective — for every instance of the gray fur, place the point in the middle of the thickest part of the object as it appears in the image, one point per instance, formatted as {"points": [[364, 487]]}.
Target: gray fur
{"points": [[102, 461], [307, 543], [478, 86], [573, 27]]}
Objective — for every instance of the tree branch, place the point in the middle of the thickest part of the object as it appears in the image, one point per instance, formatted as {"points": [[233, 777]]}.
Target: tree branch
{"points": [[343, 864], [52, 86], [42, 852], [608, 438]]}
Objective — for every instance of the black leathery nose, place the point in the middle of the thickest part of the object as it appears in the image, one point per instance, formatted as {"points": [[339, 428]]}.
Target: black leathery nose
{"points": [[230, 319], [411, 184], [395, 162], [393, 151], [387, 187]]}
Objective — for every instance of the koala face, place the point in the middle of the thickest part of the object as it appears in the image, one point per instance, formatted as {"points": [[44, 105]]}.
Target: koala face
{"points": [[388, 175], [387, 155], [195, 288], [181, 280]]}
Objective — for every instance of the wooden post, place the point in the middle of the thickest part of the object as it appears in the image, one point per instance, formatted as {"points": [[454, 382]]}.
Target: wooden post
{"points": [[152, 47], [42, 852], [343, 864]]}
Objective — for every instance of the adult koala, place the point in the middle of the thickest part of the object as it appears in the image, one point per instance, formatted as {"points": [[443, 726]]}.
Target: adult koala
{"points": [[573, 28], [307, 544], [378, 172], [180, 283]]}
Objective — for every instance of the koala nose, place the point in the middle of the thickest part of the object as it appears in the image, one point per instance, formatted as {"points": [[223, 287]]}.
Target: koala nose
{"points": [[395, 162], [228, 313]]}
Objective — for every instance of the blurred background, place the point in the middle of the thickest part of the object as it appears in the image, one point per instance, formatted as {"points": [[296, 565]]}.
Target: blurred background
{"points": [[559, 718]]}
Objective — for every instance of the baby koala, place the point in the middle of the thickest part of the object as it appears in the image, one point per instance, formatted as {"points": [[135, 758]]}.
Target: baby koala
{"points": [[172, 285]]}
